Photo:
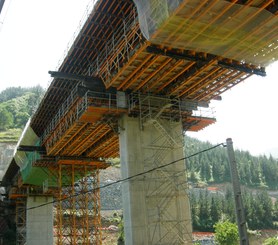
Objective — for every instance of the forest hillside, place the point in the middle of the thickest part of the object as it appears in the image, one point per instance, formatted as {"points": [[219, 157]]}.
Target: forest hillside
{"points": [[212, 167], [17, 104]]}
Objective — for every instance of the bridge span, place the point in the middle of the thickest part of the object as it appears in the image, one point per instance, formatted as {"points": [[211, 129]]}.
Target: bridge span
{"points": [[137, 75]]}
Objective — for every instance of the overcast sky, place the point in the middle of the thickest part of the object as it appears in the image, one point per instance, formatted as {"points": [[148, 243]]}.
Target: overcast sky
{"points": [[34, 35], [248, 114]]}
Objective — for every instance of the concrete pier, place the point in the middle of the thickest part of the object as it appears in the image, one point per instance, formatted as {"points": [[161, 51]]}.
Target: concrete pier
{"points": [[39, 221], [155, 205]]}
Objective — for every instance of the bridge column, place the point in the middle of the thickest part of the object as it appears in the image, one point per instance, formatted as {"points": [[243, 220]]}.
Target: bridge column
{"points": [[155, 205], [39, 221]]}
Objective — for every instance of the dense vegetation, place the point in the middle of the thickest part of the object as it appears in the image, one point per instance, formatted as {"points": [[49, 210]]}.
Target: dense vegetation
{"points": [[16, 106], [212, 166], [208, 208], [226, 233], [257, 174]]}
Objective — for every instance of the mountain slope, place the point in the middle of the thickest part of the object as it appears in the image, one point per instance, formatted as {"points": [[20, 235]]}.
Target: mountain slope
{"points": [[212, 166], [16, 107]]}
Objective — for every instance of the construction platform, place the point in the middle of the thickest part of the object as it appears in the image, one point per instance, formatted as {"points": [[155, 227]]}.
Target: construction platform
{"points": [[160, 62], [160, 51], [167, 59]]}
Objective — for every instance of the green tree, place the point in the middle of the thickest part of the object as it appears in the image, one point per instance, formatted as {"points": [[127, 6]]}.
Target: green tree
{"points": [[229, 206], [218, 172], [271, 241], [11, 92], [193, 177], [9, 237], [21, 119], [265, 208], [17, 105], [226, 233], [255, 169], [121, 238], [275, 211], [215, 210], [194, 211], [205, 218], [6, 119]]}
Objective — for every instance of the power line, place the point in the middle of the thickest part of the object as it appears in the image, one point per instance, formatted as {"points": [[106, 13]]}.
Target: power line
{"points": [[128, 178]]}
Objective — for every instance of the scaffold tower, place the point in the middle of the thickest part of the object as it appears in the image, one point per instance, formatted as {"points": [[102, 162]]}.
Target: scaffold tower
{"points": [[20, 221], [77, 218]]}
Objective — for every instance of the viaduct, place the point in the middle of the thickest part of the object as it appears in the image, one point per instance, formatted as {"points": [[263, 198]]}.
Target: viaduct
{"points": [[138, 74]]}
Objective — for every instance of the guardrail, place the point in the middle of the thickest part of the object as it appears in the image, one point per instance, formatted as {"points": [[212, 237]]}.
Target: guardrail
{"points": [[71, 110]]}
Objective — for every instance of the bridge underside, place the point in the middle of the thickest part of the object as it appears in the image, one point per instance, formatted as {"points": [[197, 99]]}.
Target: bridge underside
{"points": [[152, 61], [192, 50], [187, 50]]}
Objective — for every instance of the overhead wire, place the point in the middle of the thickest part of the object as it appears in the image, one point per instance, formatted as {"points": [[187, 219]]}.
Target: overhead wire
{"points": [[128, 178], [123, 180]]}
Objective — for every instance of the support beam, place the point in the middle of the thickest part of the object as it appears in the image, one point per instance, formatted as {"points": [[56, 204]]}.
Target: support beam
{"points": [[184, 55], [243, 67], [155, 206], [31, 148], [90, 82], [205, 58]]}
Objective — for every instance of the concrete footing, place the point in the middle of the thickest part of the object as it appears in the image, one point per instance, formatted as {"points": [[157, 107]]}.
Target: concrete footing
{"points": [[155, 205]]}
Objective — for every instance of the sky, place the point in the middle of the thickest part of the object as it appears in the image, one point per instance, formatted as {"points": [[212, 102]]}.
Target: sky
{"points": [[248, 114], [35, 34]]}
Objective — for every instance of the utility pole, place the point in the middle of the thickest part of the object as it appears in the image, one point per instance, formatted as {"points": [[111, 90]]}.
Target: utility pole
{"points": [[241, 221]]}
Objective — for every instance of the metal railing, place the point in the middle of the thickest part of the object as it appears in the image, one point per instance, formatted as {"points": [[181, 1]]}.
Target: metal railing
{"points": [[61, 113], [118, 49], [83, 20], [204, 112], [72, 109]]}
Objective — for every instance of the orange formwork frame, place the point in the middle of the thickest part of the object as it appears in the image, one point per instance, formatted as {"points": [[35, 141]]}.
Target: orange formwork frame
{"points": [[77, 218]]}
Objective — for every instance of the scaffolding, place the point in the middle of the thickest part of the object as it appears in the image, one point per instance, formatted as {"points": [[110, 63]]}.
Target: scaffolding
{"points": [[118, 50], [193, 115], [20, 221], [165, 188], [182, 48], [81, 122], [77, 204]]}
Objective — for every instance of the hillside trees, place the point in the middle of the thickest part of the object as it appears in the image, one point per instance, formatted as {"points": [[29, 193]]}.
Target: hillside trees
{"points": [[6, 119], [15, 92], [209, 208], [213, 166], [17, 105]]}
